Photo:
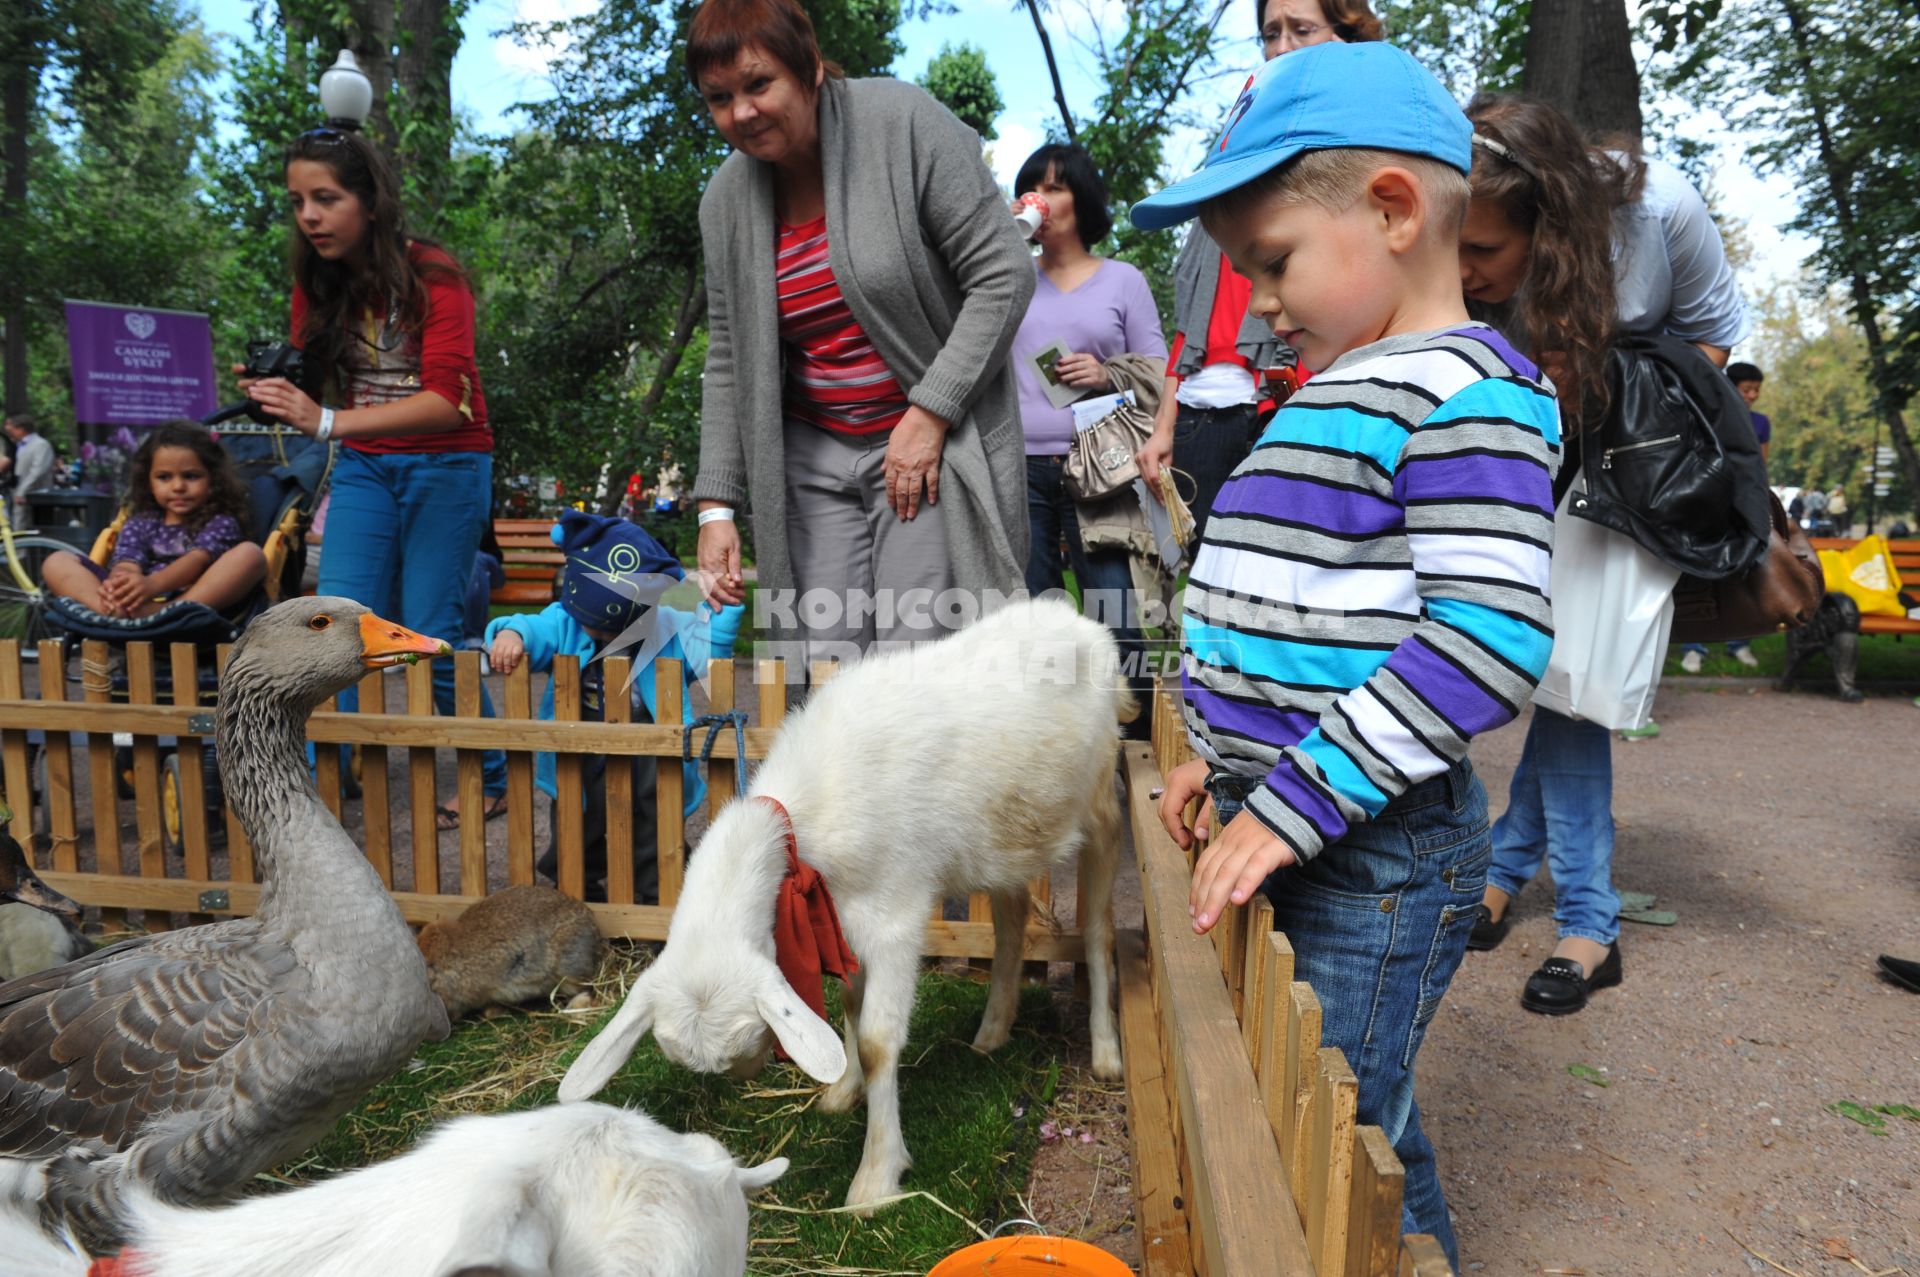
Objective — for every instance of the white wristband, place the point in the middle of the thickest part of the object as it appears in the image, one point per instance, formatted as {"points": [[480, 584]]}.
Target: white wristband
{"points": [[718, 514], [325, 428]]}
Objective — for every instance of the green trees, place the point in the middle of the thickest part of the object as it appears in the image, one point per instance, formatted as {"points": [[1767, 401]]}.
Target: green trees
{"points": [[960, 77]]}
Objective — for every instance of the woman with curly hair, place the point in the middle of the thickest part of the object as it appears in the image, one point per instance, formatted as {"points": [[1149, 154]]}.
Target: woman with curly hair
{"points": [[183, 538], [1566, 245]]}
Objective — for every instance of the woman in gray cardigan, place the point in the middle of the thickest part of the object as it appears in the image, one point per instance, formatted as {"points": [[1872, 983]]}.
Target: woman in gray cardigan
{"points": [[864, 283]]}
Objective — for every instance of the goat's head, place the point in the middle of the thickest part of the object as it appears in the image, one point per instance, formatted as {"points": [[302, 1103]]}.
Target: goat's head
{"points": [[712, 1013]]}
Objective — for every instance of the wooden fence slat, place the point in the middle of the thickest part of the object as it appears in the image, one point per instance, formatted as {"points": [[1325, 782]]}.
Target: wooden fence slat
{"points": [[1422, 1256], [326, 765], [670, 785], [375, 813], [1253, 967], [468, 779], [567, 812], [720, 691], [1159, 1215], [1276, 1025], [1296, 1085], [1335, 1092], [518, 708], [189, 765], [1234, 954], [240, 866], [1373, 1208], [62, 821], [97, 684], [619, 787], [14, 760], [147, 822], [1040, 892], [420, 763]]}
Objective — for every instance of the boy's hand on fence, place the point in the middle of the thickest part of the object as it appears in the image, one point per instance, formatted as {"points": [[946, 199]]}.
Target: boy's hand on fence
{"points": [[1185, 783], [1232, 868], [506, 651]]}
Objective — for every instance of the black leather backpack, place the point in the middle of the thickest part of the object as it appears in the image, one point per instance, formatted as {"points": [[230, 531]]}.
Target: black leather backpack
{"points": [[1675, 464]]}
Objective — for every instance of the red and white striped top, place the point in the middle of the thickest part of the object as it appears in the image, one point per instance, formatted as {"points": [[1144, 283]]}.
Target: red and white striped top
{"points": [[835, 378]]}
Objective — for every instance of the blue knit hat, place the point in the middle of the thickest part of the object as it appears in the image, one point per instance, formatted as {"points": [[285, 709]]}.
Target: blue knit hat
{"points": [[609, 563]]}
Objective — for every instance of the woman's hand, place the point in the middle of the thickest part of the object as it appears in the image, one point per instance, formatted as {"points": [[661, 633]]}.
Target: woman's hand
{"points": [[1155, 455], [287, 402], [508, 647], [1082, 372], [718, 557], [913, 460]]}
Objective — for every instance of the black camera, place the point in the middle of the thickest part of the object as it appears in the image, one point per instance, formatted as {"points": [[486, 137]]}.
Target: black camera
{"points": [[264, 359]]}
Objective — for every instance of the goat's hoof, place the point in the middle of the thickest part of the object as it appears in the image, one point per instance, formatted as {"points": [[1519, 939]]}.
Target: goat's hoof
{"points": [[992, 1037], [840, 1097], [1106, 1061], [871, 1191]]}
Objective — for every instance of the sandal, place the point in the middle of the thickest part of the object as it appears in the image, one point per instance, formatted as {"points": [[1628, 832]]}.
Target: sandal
{"points": [[445, 817]]}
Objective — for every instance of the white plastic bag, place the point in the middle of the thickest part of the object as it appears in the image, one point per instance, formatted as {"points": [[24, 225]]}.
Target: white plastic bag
{"points": [[1612, 609]]}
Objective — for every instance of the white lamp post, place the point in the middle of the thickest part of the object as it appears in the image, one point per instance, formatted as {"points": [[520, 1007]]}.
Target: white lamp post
{"points": [[346, 95]]}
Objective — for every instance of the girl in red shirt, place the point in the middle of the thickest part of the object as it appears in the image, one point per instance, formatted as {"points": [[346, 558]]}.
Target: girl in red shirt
{"points": [[387, 318]]}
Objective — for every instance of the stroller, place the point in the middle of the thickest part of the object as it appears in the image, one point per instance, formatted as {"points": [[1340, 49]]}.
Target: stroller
{"points": [[286, 474]]}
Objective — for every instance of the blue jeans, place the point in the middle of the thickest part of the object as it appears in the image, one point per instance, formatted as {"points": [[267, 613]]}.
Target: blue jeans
{"points": [[1207, 444], [1560, 810], [1105, 576], [1379, 923], [1733, 645], [402, 528]]}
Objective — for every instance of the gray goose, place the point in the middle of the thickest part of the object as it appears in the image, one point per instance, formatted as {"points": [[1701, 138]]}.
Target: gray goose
{"points": [[192, 1060], [38, 930]]}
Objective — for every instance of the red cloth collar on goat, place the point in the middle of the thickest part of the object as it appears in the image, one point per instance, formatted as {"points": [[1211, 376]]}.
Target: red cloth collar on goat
{"points": [[807, 942], [125, 1264]]}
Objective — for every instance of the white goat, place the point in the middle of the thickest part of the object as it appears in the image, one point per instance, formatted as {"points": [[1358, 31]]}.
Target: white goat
{"points": [[973, 764], [571, 1190]]}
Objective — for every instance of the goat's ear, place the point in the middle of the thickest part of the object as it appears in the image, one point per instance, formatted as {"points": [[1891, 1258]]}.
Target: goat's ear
{"points": [[806, 1038], [611, 1047], [754, 1178]]}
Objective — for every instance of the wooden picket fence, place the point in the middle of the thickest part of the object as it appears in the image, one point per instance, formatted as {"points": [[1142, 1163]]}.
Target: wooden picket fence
{"points": [[89, 862], [1220, 1033]]}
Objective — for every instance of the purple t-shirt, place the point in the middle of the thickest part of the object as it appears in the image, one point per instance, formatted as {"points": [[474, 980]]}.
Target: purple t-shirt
{"points": [[1762, 426], [151, 543], [1111, 313]]}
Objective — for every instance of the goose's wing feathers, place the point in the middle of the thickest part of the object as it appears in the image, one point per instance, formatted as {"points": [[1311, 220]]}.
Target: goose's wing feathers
{"points": [[89, 1052]]}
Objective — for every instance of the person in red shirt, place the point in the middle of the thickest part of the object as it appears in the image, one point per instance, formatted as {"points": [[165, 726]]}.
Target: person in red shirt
{"points": [[388, 319]]}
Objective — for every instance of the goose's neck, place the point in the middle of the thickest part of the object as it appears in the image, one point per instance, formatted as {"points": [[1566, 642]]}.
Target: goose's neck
{"points": [[263, 767]]}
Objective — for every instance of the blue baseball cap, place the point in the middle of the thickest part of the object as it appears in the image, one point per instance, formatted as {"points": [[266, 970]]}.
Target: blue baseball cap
{"points": [[1369, 96]]}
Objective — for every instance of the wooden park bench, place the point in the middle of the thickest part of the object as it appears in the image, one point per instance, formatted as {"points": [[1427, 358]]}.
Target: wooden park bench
{"points": [[531, 560], [1906, 561]]}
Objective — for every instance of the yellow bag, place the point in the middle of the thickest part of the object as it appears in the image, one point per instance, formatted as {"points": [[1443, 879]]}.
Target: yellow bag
{"points": [[1865, 573]]}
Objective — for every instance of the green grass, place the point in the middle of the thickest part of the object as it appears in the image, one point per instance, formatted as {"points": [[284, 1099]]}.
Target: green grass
{"points": [[971, 1122], [1887, 658]]}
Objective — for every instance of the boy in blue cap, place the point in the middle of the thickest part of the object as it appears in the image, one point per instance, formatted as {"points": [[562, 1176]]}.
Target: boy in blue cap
{"points": [[609, 591], [1371, 589]]}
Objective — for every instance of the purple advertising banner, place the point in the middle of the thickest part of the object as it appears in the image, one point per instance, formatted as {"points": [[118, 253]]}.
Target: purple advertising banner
{"points": [[135, 366]]}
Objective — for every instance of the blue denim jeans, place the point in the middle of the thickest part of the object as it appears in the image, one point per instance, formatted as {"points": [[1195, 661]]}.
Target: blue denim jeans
{"points": [[1106, 578], [1207, 444], [1560, 810], [1733, 645], [1379, 923], [402, 530]]}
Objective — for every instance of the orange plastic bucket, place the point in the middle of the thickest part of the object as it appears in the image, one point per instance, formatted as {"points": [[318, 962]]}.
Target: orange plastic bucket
{"points": [[1031, 1256]]}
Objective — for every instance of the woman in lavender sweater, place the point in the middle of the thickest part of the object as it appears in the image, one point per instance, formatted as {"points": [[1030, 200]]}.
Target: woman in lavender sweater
{"points": [[1098, 309]]}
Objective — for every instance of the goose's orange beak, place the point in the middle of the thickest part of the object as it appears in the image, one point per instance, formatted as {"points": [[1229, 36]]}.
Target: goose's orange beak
{"points": [[383, 643], [29, 890]]}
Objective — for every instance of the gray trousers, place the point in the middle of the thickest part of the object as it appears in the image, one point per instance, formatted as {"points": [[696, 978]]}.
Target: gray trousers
{"points": [[864, 576]]}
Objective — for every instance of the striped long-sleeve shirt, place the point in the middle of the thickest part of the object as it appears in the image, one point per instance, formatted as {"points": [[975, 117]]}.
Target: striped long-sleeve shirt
{"points": [[1371, 591]]}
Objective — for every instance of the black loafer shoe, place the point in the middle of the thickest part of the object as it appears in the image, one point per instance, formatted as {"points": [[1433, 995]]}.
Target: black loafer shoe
{"points": [[1487, 933], [1902, 971], [1560, 987]]}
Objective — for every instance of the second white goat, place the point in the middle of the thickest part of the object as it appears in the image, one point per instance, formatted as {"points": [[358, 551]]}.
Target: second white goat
{"points": [[974, 764]]}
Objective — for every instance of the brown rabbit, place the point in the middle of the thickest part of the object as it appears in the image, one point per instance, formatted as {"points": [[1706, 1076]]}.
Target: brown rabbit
{"points": [[515, 946]]}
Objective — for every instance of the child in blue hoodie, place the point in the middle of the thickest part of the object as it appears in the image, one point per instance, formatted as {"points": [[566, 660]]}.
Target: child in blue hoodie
{"points": [[612, 579]]}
